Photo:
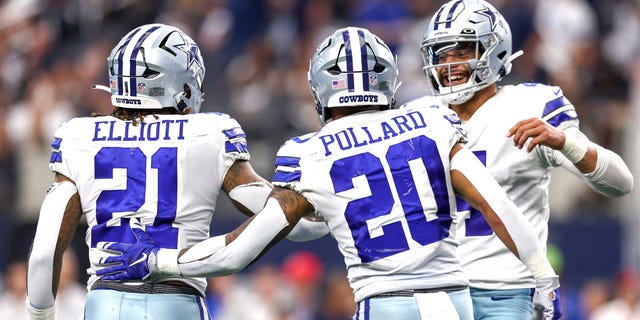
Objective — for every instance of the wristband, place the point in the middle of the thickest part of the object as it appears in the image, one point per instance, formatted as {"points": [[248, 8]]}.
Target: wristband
{"points": [[40, 314], [166, 262], [574, 150], [539, 265]]}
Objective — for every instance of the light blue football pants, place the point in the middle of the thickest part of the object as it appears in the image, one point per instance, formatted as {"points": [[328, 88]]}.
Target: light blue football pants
{"points": [[513, 304], [107, 304], [406, 308]]}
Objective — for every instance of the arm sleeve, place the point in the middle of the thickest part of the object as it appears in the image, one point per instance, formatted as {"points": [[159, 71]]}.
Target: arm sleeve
{"points": [[611, 177], [40, 266], [211, 258], [254, 195], [519, 228], [306, 230]]}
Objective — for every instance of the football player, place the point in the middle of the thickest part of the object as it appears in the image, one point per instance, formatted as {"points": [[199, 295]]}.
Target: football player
{"points": [[155, 160], [519, 132], [383, 179]]}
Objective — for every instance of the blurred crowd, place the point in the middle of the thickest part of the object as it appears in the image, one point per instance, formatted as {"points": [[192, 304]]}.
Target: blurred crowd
{"points": [[256, 54]]}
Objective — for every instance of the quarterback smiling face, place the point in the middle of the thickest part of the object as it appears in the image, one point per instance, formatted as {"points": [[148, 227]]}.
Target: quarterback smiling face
{"points": [[454, 61]]}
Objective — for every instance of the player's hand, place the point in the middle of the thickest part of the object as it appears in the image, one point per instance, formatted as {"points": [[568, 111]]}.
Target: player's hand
{"points": [[538, 131], [546, 299], [133, 260]]}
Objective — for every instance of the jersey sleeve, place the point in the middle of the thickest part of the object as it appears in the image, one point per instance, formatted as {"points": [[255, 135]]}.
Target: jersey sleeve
{"points": [[558, 111], [235, 144], [60, 150], [287, 172]]}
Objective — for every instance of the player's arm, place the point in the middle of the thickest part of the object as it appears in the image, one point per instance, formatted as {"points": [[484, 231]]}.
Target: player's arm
{"points": [[220, 255], [476, 185], [59, 216], [249, 192], [601, 168]]}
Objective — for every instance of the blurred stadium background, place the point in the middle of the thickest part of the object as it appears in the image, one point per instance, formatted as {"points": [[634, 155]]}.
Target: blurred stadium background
{"points": [[256, 54]]}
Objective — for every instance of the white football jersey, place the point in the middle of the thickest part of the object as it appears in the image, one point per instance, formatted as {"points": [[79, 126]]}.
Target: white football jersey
{"points": [[524, 176], [167, 172], [380, 179]]}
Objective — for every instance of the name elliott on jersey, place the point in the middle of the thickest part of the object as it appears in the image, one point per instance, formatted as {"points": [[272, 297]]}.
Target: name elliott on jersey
{"points": [[116, 130]]}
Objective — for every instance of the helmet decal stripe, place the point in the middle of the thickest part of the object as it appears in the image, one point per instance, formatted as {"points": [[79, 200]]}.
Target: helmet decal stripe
{"points": [[349, 56], [132, 61], [121, 55], [363, 57], [436, 23], [450, 15], [449, 18]]}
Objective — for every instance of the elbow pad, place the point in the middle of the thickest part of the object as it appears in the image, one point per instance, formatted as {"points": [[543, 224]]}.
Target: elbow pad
{"points": [[251, 195]]}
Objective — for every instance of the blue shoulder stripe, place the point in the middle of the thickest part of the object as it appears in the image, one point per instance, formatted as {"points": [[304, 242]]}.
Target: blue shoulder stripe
{"points": [[288, 162], [554, 105], [287, 169], [562, 117], [285, 177], [236, 141], [234, 133], [56, 154]]}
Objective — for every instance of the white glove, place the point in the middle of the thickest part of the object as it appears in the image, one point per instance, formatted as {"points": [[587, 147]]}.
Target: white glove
{"points": [[546, 299]]}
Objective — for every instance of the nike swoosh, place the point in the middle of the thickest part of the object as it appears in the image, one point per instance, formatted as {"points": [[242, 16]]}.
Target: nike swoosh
{"points": [[556, 92], [500, 298], [142, 259]]}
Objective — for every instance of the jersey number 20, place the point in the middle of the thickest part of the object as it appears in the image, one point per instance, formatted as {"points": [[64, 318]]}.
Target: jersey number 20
{"points": [[392, 240]]}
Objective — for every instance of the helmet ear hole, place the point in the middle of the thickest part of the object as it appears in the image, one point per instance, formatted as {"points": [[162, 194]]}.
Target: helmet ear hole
{"points": [[187, 91], [334, 70], [378, 68]]}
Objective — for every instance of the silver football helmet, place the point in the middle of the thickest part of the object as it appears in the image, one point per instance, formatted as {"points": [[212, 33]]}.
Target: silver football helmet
{"points": [[352, 67], [473, 25], [156, 66]]}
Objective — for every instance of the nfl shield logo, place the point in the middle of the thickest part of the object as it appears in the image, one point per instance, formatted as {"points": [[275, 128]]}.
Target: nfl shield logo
{"points": [[142, 86], [373, 79], [113, 84]]}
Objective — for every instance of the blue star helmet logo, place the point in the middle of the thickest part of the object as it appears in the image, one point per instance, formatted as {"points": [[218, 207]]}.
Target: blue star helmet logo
{"points": [[192, 51], [490, 14]]}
